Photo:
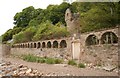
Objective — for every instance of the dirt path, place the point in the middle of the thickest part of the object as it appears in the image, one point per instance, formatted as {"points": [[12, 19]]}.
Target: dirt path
{"points": [[62, 69]]}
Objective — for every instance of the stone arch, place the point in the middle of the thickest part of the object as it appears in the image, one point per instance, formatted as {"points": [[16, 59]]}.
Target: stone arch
{"points": [[20, 45], [49, 44], [63, 44], [43, 45], [25, 45], [92, 40], [31, 45], [28, 45], [109, 38], [39, 45], [55, 44], [35, 45]]}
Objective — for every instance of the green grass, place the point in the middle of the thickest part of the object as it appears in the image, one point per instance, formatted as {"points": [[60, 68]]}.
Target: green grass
{"points": [[29, 58], [72, 62], [81, 65], [47, 60], [32, 58], [50, 61]]}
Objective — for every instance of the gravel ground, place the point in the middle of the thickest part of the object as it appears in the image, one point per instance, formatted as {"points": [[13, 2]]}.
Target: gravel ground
{"points": [[17, 67]]}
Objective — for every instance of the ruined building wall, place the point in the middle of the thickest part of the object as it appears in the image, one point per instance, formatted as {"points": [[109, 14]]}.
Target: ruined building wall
{"points": [[96, 53], [99, 47], [73, 22], [101, 54], [57, 51]]}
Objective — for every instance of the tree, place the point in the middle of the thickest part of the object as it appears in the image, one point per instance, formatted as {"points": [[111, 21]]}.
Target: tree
{"points": [[25, 36], [23, 18], [9, 34]]}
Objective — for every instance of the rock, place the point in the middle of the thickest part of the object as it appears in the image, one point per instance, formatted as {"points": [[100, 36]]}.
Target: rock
{"points": [[109, 68], [3, 64], [8, 63], [31, 74], [63, 65], [29, 71], [68, 74], [20, 66], [23, 69], [22, 73], [13, 69]]}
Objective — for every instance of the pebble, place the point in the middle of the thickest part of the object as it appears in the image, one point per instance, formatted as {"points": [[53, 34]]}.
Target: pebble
{"points": [[29, 71], [9, 69]]}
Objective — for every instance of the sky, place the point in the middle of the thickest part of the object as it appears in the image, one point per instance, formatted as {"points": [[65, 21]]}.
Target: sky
{"points": [[8, 9]]}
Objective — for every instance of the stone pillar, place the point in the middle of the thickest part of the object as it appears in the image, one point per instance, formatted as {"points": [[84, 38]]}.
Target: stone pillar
{"points": [[106, 39], [111, 38], [76, 49], [58, 44]]}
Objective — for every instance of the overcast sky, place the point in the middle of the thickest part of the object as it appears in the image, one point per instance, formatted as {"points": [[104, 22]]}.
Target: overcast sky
{"points": [[8, 8]]}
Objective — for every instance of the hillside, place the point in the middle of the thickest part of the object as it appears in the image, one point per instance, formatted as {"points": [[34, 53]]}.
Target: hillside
{"points": [[37, 24]]}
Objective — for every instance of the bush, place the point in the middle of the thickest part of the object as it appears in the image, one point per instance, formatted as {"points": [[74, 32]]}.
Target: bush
{"points": [[72, 62], [58, 61], [40, 60], [81, 65], [32, 58], [50, 61], [25, 35], [48, 31], [29, 58]]}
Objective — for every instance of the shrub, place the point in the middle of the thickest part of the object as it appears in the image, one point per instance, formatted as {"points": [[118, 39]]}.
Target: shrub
{"points": [[81, 65], [25, 35], [50, 61], [32, 58], [58, 61], [29, 58], [72, 62], [40, 60]]}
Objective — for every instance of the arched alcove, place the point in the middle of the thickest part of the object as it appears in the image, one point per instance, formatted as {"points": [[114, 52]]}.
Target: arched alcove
{"points": [[92, 40], [49, 44], [63, 44], [55, 44], [28, 45], [31, 45], [23, 45], [39, 45], [35, 45], [43, 45], [109, 38]]}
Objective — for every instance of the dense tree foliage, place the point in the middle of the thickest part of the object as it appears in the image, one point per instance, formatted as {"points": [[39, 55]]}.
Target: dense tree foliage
{"points": [[25, 35], [97, 15], [9, 34], [36, 24]]}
